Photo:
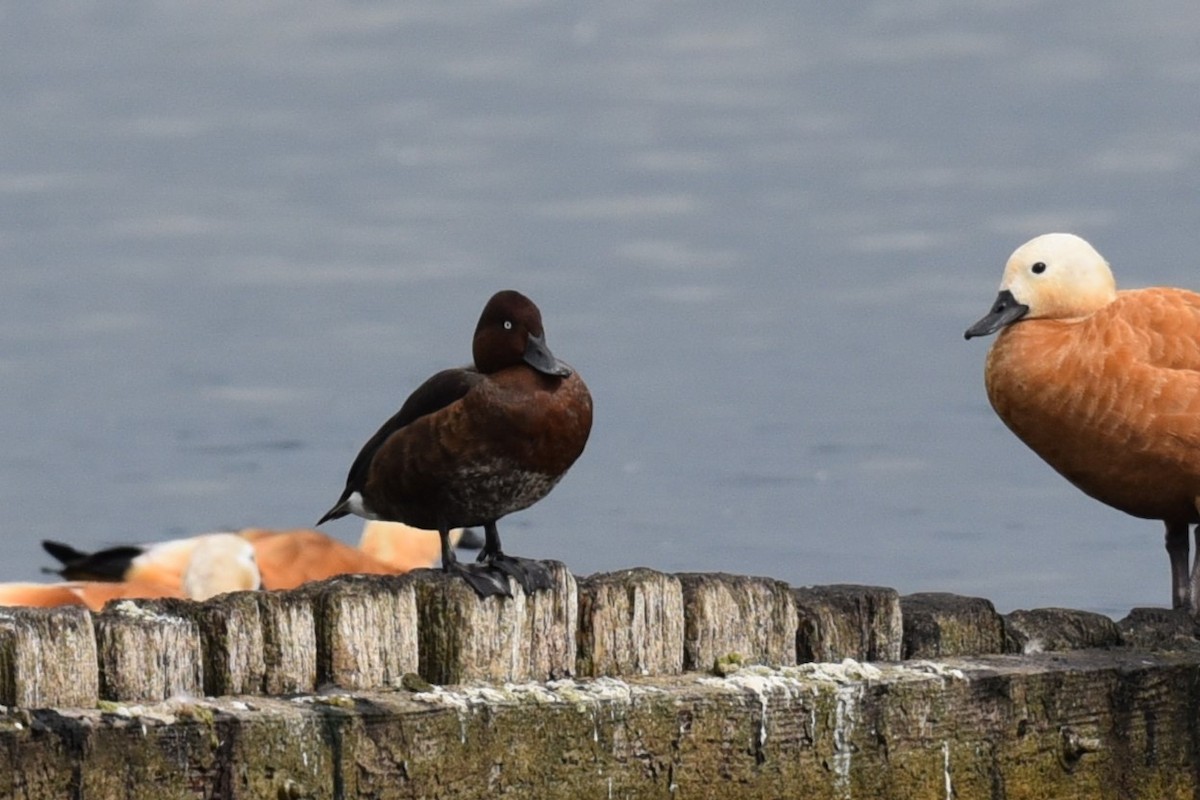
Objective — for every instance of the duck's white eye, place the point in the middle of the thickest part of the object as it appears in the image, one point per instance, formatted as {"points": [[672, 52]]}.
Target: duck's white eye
{"points": [[507, 325], [1039, 268]]}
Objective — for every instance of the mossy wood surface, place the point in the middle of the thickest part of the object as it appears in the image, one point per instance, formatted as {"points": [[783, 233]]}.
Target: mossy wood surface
{"points": [[1088, 724]]}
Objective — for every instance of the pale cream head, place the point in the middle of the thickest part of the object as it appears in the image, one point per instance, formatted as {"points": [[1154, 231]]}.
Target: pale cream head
{"points": [[221, 562], [1058, 276]]}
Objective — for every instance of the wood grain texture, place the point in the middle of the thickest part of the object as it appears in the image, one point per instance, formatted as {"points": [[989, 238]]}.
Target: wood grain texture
{"points": [[48, 658], [149, 650], [1047, 629], [752, 619], [848, 621], [1095, 724], [630, 623], [366, 630], [464, 638], [940, 624]]}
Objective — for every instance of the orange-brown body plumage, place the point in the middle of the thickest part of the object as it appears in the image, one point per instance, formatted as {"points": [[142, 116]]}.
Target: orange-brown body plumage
{"points": [[1103, 385], [286, 558], [1111, 400]]}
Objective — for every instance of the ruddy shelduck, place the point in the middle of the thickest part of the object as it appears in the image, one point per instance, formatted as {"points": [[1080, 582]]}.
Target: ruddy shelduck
{"points": [[286, 558], [218, 563], [1103, 385]]}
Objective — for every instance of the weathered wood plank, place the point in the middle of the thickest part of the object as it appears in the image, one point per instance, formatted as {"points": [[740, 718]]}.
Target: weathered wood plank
{"points": [[231, 632], [149, 650], [938, 624], [1096, 724], [848, 621], [366, 628], [630, 623], [464, 638], [48, 658], [1044, 629], [289, 642], [258, 643], [1160, 629], [751, 620]]}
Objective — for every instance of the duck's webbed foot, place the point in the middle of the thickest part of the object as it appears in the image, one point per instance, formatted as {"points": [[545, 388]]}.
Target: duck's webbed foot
{"points": [[483, 578], [532, 575], [486, 581]]}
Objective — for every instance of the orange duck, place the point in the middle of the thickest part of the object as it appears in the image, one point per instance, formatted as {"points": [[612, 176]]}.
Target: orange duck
{"points": [[474, 444], [217, 563], [286, 558], [1103, 385]]}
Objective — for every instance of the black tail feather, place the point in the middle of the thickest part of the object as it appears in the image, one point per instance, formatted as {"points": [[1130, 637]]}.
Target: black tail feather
{"points": [[103, 565], [62, 552], [336, 512]]}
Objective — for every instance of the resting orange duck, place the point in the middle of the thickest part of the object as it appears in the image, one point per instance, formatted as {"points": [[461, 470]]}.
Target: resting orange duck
{"points": [[1103, 385], [286, 558], [217, 563]]}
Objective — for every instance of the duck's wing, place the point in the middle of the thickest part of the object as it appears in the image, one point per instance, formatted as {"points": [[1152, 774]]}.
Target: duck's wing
{"points": [[1165, 323], [442, 389], [1154, 341], [95, 595]]}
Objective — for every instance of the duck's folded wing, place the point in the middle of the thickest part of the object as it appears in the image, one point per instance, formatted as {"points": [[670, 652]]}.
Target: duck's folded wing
{"points": [[1161, 327], [439, 391], [1161, 324]]}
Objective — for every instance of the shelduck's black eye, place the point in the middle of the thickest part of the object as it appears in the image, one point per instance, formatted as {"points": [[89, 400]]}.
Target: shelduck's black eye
{"points": [[1039, 268], [508, 325]]}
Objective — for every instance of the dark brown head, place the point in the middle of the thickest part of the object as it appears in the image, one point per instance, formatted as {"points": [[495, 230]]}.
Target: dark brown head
{"points": [[510, 333]]}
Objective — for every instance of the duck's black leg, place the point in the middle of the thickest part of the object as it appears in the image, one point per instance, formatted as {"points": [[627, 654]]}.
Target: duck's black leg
{"points": [[532, 575], [485, 582], [1177, 550], [1194, 582]]}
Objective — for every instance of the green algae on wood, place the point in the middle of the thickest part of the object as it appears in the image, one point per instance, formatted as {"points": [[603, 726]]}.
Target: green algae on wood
{"points": [[1097, 724]]}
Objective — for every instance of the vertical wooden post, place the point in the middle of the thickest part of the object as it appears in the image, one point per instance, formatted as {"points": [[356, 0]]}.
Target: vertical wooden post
{"points": [[48, 658], [939, 624], [496, 639], [750, 619], [232, 634], [289, 642], [149, 650], [847, 621], [366, 630], [630, 623]]}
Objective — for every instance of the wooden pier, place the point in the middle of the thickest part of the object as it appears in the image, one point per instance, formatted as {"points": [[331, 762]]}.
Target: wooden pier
{"points": [[624, 685]]}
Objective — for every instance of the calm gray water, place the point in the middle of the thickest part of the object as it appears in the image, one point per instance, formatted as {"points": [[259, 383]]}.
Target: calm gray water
{"points": [[234, 237]]}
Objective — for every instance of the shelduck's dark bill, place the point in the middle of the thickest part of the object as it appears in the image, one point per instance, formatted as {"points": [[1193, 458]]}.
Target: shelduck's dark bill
{"points": [[538, 356], [1005, 311]]}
